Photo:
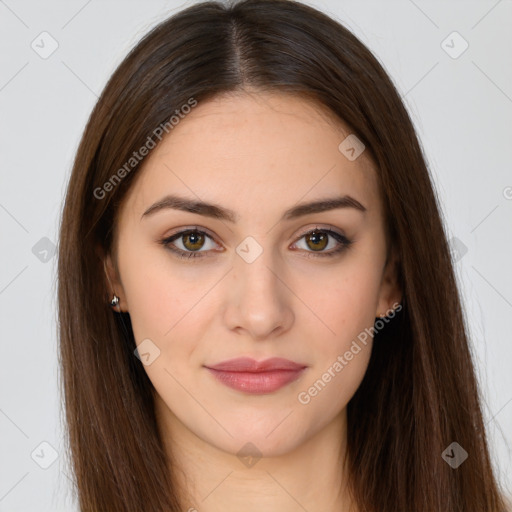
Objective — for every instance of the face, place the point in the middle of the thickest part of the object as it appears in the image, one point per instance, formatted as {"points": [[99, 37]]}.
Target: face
{"points": [[248, 278]]}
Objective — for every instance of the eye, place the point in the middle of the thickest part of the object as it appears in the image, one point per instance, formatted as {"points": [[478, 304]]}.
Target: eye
{"points": [[317, 240], [190, 243], [196, 243]]}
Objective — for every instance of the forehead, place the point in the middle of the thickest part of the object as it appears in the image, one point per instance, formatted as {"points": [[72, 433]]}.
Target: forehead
{"points": [[246, 150]]}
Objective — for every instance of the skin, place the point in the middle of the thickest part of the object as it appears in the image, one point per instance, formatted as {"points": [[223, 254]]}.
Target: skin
{"points": [[257, 154]]}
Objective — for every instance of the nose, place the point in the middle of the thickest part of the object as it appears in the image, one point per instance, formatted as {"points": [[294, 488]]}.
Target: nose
{"points": [[259, 302]]}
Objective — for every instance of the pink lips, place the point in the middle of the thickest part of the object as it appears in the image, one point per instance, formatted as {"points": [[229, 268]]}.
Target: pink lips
{"points": [[251, 376]]}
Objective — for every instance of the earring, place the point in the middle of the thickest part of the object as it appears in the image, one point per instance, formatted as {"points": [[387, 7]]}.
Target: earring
{"points": [[115, 301]]}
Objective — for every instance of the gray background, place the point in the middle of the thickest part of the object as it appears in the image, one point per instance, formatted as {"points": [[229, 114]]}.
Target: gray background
{"points": [[460, 104]]}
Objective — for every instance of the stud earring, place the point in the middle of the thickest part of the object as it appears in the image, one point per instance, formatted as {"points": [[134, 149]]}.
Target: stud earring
{"points": [[115, 301]]}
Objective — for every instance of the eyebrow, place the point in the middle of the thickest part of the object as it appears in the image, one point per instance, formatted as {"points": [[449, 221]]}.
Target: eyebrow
{"points": [[218, 212]]}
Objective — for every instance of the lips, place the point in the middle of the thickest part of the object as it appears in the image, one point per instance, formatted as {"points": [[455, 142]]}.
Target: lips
{"points": [[256, 377], [246, 364]]}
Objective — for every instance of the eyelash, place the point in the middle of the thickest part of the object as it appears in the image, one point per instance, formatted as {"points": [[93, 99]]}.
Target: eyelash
{"points": [[341, 239]]}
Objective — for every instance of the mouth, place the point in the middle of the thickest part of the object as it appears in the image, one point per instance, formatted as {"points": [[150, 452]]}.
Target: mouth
{"points": [[251, 376]]}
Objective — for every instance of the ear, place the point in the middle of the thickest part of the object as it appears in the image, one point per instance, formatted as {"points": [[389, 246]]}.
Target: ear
{"points": [[390, 294], [112, 280]]}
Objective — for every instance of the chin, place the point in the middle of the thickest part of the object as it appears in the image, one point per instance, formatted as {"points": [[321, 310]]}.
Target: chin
{"points": [[265, 442], [250, 449]]}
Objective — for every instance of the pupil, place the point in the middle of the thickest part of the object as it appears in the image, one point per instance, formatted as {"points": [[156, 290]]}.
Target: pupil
{"points": [[317, 238], [194, 240]]}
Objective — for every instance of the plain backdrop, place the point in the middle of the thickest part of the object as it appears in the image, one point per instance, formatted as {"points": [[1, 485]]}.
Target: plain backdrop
{"points": [[460, 99]]}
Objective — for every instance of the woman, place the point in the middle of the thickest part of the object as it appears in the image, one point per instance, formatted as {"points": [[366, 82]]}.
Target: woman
{"points": [[248, 196]]}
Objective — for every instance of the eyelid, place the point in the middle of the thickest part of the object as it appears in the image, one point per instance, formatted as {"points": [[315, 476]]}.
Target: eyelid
{"points": [[183, 229], [320, 227], [204, 231]]}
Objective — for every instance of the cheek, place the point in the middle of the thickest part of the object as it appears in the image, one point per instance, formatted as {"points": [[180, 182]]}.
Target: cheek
{"points": [[342, 352], [328, 392], [160, 295], [345, 313], [168, 304], [344, 301]]}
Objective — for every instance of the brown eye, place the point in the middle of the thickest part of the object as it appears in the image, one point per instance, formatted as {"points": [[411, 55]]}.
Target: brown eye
{"points": [[193, 241], [317, 240], [190, 243]]}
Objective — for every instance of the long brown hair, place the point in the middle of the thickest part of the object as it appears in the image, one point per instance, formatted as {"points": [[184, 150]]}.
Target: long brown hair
{"points": [[419, 394]]}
